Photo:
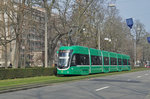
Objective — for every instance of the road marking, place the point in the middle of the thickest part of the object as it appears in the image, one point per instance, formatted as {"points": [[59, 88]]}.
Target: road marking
{"points": [[139, 76], [146, 74], [102, 88], [129, 79]]}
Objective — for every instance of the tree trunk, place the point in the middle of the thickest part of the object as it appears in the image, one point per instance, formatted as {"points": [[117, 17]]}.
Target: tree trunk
{"points": [[20, 20], [5, 37], [6, 58], [17, 54], [51, 56]]}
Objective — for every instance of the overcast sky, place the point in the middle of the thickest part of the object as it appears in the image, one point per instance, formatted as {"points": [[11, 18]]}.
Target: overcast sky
{"points": [[136, 9]]}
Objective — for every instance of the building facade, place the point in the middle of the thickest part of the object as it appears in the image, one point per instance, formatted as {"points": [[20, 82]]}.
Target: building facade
{"points": [[32, 38]]}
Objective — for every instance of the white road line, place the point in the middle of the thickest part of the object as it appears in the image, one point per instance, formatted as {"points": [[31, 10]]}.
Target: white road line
{"points": [[138, 76], [129, 79], [146, 74], [102, 88]]}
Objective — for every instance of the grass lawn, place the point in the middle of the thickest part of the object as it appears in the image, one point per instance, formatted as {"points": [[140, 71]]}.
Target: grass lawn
{"points": [[13, 83]]}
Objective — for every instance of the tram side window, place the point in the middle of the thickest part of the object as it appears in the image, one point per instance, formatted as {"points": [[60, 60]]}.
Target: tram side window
{"points": [[106, 60], [80, 59], [128, 62], [119, 61], [73, 61], [84, 59], [100, 58], [113, 61], [96, 60], [93, 61], [124, 61]]}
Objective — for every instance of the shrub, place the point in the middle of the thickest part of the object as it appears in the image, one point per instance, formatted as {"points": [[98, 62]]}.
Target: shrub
{"points": [[11, 73]]}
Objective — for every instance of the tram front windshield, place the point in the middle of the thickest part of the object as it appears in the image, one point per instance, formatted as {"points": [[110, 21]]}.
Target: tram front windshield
{"points": [[63, 58]]}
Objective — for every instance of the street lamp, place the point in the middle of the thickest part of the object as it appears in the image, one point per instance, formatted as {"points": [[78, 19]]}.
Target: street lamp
{"points": [[100, 30], [23, 48], [83, 29], [111, 5], [129, 22], [107, 39], [138, 30], [46, 48]]}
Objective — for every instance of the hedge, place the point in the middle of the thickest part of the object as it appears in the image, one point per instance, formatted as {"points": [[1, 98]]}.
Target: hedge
{"points": [[26, 72]]}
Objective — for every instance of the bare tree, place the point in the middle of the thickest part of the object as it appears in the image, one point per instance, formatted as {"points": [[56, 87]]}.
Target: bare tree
{"points": [[3, 34], [6, 37], [62, 24], [15, 13], [72, 22]]}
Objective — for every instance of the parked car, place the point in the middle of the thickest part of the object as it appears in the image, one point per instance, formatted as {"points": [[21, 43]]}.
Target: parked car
{"points": [[147, 65]]}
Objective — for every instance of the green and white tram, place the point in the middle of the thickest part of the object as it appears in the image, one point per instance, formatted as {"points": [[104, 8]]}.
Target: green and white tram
{"points": [[79, 60]]}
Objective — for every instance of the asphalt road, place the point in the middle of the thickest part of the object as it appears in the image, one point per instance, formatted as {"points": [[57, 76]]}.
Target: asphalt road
{"points": [[134, 85]]}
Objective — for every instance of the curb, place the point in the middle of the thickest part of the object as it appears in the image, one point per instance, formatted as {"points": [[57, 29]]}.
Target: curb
{"points": [[22, 87]]}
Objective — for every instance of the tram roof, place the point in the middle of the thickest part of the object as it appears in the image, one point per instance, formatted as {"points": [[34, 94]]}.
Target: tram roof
{"points": [[82, 48]]}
